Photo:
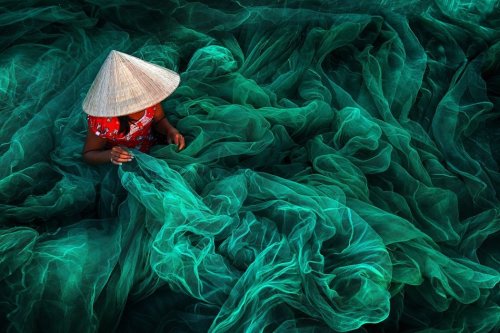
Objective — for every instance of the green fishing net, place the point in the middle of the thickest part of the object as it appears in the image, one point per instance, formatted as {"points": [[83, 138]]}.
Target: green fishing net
{"points": [[341, 170]]}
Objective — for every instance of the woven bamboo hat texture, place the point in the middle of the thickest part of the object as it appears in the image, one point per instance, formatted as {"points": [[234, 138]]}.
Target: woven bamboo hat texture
{"points": [[126, 84]]}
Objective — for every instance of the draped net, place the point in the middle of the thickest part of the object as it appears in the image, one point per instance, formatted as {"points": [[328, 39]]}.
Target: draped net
{"points": [[341, 171]]}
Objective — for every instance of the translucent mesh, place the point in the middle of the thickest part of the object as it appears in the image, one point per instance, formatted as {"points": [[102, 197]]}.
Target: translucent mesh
{"points": [[341, 169]]}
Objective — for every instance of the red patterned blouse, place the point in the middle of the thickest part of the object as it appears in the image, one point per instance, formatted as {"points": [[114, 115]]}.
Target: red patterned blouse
{"points": [[139, 137]]}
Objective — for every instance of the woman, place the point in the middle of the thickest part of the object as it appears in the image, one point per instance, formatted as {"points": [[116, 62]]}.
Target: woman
{"points": [[124, 111]]}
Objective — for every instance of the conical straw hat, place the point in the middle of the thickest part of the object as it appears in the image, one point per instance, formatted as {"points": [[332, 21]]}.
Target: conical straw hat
{"points": [[126, 84]]}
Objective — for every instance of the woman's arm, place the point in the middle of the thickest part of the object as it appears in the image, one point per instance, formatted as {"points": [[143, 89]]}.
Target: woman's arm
{"points": [[163, 126], [94, 152]]}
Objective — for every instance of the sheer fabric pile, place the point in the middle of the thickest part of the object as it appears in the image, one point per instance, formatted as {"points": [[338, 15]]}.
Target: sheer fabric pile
{"points": [[341, 169]]}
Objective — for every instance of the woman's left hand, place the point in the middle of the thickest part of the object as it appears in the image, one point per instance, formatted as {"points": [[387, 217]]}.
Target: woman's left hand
{"points": [[175, 137]]}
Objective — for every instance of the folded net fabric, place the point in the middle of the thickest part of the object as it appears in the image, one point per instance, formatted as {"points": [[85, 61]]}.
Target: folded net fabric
{"points": [[341, 169]]}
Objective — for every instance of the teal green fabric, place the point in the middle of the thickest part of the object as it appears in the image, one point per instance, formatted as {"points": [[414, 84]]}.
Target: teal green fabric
{"points": [[341, 170]]}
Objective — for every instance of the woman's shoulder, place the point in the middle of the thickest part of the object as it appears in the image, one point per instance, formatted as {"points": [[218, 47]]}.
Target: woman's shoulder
{"points": [[103, 126], [152, 109]]}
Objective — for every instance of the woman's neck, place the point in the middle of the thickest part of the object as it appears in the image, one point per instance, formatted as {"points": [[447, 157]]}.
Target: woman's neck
{"points": [[137, 115]]}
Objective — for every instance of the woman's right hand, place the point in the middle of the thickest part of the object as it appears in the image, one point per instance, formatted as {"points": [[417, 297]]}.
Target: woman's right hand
{"points": [[119, 154]]}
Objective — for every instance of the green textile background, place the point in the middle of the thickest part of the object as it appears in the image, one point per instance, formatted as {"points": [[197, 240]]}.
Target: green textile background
{"points": [[341, 170]]}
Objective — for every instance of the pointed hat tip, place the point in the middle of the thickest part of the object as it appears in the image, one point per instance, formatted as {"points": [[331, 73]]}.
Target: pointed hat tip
{"points": [[114, 53]]}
